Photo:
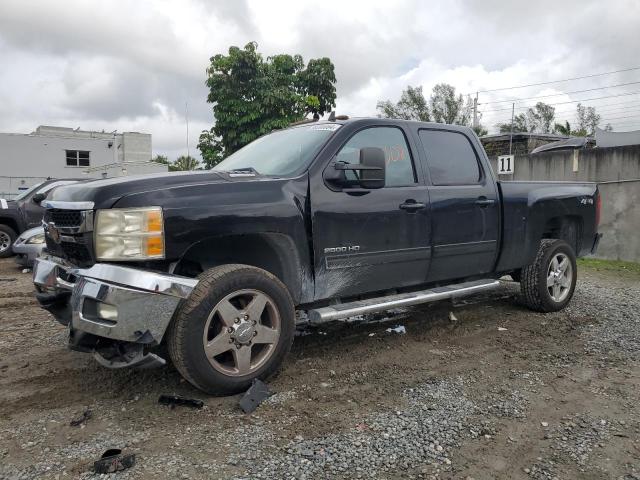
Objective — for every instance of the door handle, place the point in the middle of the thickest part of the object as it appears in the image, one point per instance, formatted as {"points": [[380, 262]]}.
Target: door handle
{"points": [[411, 206], [484, 202]]}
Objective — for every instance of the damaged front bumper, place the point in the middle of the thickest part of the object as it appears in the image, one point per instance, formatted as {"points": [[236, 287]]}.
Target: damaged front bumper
{"points": [[113, 311]]}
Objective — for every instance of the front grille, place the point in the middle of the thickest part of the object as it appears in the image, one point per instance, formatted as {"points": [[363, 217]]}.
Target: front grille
{"points": [[71, 230], [76, 252], [65, 218]]}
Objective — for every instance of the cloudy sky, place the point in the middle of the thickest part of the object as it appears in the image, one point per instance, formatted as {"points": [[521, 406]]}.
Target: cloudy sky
{"points": [[133, 65]]}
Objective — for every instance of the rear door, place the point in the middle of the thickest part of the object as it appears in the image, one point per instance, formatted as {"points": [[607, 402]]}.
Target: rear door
{"points": [[377, 239], [465, 208]]}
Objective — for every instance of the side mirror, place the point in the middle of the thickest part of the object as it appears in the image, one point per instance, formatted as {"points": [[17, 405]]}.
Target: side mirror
{"points": [[371, 171], [373, 176], [38, 197]]}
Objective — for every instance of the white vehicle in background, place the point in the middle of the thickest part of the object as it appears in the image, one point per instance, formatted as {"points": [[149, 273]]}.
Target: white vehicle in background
{"points": [[28, 246]]}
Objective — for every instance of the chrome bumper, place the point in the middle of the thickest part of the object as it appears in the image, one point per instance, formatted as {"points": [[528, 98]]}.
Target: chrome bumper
{"points": [[145, 300]]}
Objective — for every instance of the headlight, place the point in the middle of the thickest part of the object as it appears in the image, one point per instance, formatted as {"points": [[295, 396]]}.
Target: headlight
{"points": [[129, 234], [36, 239]]}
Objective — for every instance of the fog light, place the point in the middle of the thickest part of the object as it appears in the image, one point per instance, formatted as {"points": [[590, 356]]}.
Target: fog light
{"points": [[106, 311]]}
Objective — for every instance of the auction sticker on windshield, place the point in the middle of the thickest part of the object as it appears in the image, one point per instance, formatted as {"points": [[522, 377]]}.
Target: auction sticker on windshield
{"points": [[331, 127]]}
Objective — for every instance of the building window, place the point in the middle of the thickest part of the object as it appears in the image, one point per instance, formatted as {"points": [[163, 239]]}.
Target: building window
{"points": [[77, 158]]}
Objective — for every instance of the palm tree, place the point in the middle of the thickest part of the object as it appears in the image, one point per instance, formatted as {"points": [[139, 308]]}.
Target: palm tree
{"points": [[562, 129], [185, 162]]}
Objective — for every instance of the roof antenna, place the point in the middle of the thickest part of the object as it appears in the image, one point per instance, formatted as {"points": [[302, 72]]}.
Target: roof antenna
{"points": [[332, 116]]}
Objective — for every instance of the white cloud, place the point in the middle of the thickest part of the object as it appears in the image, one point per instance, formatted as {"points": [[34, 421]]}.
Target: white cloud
{"points": [[133, 65]]}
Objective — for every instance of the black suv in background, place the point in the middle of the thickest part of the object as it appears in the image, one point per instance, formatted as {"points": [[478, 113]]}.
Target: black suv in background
{"points": [[24, 212]]}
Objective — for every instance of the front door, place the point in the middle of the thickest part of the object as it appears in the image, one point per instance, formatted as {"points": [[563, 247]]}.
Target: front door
{"points": [[465, 207], [377, 239]]}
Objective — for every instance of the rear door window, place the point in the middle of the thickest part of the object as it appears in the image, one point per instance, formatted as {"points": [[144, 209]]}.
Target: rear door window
{"points": [[450, 158]]}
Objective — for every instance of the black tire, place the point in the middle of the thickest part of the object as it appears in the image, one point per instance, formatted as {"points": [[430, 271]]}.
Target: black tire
{"points": [[6, 231], [533, 281], [185, 334], [516, 276]]}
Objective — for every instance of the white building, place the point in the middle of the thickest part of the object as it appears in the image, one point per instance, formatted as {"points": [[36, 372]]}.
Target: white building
{"points": [[58, 152]]}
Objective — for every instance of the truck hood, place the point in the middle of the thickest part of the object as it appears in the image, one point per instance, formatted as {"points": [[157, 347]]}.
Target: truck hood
{"points": [[106, 192]]}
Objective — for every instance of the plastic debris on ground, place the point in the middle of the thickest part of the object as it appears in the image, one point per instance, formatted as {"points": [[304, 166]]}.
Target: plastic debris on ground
{"points": [[82, 419], [399, 330], [174, 401], [258, 392], [113, 460], [452, 317], [502, 329]]}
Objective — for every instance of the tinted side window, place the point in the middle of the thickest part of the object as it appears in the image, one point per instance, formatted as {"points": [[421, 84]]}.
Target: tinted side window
{"points": [[400, 170], [450, 158]]}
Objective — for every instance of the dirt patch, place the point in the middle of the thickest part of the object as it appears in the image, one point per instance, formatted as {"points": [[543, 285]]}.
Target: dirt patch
{"points": [[500, 392]]}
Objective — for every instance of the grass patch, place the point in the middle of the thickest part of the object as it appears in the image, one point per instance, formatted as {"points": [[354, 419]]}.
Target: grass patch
{"points": [[628, 269]]}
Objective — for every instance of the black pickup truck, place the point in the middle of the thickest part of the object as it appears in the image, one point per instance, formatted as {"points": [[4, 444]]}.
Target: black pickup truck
{"points": [[332, 219], [24, 212]]}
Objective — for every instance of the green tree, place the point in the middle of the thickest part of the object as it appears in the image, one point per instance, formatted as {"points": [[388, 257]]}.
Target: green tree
{"points": [[210, 148], [411, 106], [447, 107], [538, 119], [520, 124], [184, 162], [252, 96], [161, 159], [588, 119], [561, 129], [480, 130]]}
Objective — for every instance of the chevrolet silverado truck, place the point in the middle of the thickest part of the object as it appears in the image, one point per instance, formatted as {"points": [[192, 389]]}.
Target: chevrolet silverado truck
{"points": [[331, 218]]}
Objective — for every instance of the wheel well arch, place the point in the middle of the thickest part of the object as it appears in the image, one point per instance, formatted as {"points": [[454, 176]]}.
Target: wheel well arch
{"points": [[565, 227], [273, 252], [11, 223]]}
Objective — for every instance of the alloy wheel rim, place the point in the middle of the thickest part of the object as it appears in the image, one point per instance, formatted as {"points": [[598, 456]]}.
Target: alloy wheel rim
{"points": [[5, 241], [559, 277], [241, 332]]}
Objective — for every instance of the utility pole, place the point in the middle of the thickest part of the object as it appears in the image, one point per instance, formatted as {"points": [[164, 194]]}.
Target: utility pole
{"points": [[186, 116], [513, 108], [475, 112]]}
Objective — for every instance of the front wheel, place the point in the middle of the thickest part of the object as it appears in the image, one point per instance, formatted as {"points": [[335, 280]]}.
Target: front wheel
{"points": [[7, 237], [237, 325], [547, 285]]}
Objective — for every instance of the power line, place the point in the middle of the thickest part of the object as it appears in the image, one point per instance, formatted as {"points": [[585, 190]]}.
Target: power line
{"points": [[604, 105], [556, 81], [604, 116], [517, 100], [572, 101]]}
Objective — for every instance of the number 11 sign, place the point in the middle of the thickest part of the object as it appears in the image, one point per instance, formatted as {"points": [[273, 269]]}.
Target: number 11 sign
{"points": [[505, 164]]}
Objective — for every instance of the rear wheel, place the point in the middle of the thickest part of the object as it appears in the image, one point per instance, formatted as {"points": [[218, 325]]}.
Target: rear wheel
{"points": [[547, 285], [237, 325], [7, 237]]}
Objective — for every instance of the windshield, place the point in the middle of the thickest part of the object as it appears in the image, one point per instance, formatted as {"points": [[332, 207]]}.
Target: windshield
{"points": [[280, 153], [50, 186], [28, 191]]}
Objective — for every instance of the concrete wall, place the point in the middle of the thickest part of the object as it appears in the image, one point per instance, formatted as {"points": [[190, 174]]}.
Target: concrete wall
{"points": [[28, 159], [620, 221], [617, 172]]}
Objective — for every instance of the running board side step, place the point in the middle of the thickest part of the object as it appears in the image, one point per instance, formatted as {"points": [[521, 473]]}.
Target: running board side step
{"points": [[372, 305]]}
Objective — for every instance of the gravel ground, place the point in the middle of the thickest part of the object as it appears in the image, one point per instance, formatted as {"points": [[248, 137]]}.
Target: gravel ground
{"points": [[492, 391]]}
